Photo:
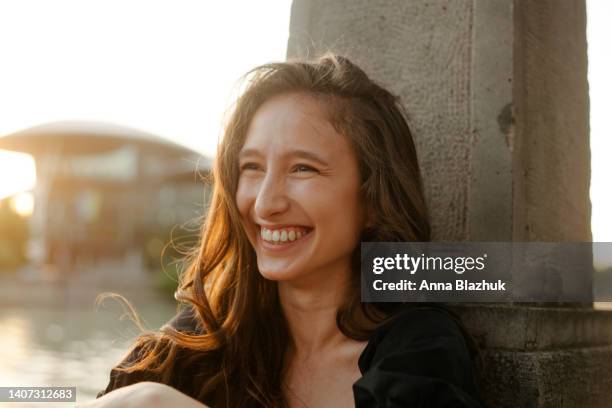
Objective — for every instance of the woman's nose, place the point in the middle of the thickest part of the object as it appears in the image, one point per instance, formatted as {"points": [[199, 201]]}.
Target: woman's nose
{"points": [[271, 197]]}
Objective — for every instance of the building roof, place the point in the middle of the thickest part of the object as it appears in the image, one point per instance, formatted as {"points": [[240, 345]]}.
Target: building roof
{"points": [[86, 137]]}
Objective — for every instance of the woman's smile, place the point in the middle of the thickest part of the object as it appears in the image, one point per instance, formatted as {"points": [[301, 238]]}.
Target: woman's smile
{"points": [[283, 238], [282, 234]]}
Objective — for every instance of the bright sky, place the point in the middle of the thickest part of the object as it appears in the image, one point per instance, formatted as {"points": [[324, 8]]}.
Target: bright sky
{"points": [[599, 33], [169, 67]]}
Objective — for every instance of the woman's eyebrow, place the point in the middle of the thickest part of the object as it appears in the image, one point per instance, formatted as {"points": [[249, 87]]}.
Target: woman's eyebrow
{"points": [[248, 152], [304, 154]]}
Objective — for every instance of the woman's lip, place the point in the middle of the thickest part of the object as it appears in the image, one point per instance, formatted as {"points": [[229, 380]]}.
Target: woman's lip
{"points": [[287, 245]]}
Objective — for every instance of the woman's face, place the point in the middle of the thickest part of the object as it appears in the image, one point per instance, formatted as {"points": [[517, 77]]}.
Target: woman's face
{"points": [[298, 192]]}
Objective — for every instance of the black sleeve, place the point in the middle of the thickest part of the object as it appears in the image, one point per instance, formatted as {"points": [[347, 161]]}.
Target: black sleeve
{"points": [[422, 361], [120, 379], [183, 321]]}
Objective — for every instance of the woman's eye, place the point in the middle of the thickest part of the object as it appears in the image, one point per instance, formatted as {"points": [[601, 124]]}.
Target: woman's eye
{"points": [[249, 166], [303, 167]]}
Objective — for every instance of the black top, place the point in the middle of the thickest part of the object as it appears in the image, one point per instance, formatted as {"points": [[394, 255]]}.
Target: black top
{"points": [[419, 359]]}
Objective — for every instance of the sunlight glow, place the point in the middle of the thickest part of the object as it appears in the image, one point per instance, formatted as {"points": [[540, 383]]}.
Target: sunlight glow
{"points": [[23, 203], [168, 68], [17, 173], [164, 67]]}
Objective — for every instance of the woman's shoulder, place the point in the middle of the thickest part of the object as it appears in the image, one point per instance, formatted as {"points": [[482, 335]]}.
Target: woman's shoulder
{"points": [[421, 356]]}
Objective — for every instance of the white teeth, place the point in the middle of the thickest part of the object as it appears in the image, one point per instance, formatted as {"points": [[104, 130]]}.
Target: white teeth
{"points": [[282, 235], [265, 234]]}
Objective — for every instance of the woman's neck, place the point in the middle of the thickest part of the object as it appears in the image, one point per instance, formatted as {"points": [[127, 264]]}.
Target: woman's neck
{"points": [[311, 312]]}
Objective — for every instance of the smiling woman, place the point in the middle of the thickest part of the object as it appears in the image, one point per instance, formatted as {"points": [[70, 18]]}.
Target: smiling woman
{"points": [[315, 159], [295, 168]]}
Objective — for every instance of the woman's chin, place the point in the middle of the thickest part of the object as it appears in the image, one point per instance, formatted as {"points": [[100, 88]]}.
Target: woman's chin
{"points": [[277, 275]]}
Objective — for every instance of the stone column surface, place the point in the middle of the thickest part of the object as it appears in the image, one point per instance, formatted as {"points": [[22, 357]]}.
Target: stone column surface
{"points": [[497, 97]]}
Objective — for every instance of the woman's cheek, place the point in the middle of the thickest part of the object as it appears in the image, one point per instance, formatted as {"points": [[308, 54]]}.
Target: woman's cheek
{"points": [[311, 192], [244, 196]]}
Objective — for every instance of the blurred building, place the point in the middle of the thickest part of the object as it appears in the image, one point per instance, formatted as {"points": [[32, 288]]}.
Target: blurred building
{"points": [[107, 194]]}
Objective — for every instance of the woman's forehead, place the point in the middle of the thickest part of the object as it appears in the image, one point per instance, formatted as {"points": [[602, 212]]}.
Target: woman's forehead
{"points": [[293, 121]]}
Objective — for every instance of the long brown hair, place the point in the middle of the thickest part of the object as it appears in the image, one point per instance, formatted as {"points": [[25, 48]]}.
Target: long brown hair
{"points": [[242, 335]]}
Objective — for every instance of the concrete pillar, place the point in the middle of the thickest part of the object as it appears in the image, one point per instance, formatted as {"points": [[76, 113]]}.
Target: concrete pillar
{"points": [[497, 95]]}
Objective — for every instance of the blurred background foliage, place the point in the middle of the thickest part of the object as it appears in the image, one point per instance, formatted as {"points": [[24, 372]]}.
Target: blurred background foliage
{"points": [[168, 252], [13, 237]]}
